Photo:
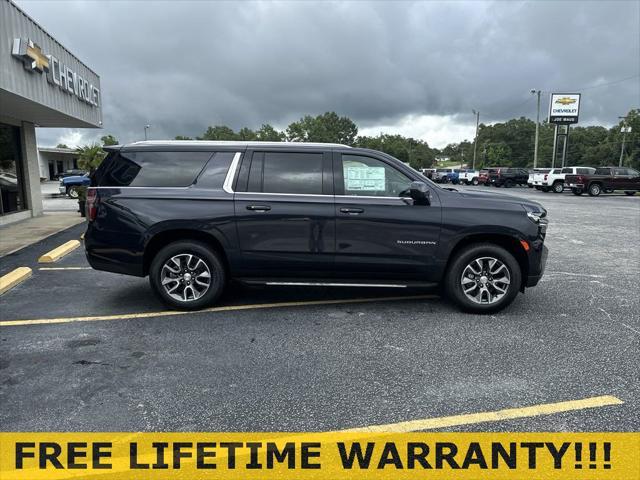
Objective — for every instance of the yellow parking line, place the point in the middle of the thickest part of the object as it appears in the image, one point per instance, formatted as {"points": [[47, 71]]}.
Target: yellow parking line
{"points": [[230, 308], [495, 416], [59, 252], [13, 278]]}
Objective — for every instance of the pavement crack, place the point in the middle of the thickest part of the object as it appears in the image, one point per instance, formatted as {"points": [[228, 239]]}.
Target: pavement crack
{"points": [[90, 362]]}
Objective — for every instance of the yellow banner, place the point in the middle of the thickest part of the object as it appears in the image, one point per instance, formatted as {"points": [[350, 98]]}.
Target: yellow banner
{"points": [[334, 455]]}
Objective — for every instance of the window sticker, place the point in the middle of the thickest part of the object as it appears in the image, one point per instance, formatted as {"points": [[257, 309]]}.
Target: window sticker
{"points": [[370, 179]]}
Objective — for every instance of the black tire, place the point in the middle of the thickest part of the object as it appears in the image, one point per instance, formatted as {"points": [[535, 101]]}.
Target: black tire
{"points": [[207, 255], [595, 189], [474, 182], [558, 187], [529, 185], [608, 190], [577, 191], [508, 184], [72, 192], [630, 193], [538, 187], [464, 257], [544, 189]]}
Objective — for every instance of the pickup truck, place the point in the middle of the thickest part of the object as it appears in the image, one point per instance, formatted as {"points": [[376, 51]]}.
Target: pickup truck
{"points": [[532, 174], [509, 177], [605, 179], [445, 175], [69, 185], [554, 179], [468, 176]]}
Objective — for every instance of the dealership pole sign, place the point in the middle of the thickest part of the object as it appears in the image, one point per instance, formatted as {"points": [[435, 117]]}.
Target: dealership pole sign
{"points": [[58, 74], [564, 108]]}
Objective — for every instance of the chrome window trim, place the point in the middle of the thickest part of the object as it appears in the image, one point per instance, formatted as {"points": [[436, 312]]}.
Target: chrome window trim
{"points": [[227, 186]]}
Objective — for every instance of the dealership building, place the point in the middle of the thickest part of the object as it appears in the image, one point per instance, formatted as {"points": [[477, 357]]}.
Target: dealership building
{"points": [[42, 84]]}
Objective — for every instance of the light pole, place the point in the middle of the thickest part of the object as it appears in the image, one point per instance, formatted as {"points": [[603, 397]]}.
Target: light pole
{"points": [[146, 128], [535, 148], [475, 140], [624, 131]]}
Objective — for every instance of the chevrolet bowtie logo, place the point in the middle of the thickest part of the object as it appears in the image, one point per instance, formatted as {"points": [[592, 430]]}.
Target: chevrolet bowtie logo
{"points": [[31, 55], [566, 101]]}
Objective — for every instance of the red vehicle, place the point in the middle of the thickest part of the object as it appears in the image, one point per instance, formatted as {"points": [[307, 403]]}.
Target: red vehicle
{"points": [[605, 179], [483, 177]]}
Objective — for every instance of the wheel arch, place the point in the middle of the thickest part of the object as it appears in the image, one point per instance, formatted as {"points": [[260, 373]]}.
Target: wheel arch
{"points": [[165, 237], [508, 242]]}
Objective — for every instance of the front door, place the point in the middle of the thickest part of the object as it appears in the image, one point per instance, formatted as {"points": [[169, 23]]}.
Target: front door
{"points": [[284, 213], [380, 232]]}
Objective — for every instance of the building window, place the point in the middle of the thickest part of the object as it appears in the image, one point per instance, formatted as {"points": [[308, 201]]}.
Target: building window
{"points": [[11, 180]]}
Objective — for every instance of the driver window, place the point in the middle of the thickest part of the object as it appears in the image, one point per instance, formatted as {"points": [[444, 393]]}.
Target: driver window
{"points": [[366, 176]]}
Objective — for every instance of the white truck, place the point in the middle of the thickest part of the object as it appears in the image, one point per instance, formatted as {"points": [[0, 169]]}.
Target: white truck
{"points": [[468, 176], [554, 179], [532, 174]]}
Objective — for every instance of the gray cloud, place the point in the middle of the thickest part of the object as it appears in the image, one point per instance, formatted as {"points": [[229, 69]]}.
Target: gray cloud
{"points": [[182, 66]]}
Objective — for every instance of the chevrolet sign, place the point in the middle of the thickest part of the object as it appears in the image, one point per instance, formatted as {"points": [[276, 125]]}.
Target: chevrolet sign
{"points": [[58, 74], [564, 108]]}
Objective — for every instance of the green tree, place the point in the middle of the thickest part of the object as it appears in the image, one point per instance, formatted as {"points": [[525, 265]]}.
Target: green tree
{"points": [[90, 157], [219, 132], [266, 133], [182, 137], [61, 145], [109, 140], [328, 127], [246, 134], [409, 150]]}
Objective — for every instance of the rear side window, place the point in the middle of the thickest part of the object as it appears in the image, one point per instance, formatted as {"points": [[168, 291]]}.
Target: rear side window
{"points": [[216, 171], [603, 171], [567, 170], [584, 171], [290, 172], [153, 169]]}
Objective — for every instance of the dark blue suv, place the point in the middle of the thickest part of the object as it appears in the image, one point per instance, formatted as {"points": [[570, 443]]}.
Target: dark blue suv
{"points": [[194, 214]]}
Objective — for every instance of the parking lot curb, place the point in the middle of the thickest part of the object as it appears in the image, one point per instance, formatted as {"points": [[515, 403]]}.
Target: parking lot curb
{"points": [[13, 278], [59, 252]]}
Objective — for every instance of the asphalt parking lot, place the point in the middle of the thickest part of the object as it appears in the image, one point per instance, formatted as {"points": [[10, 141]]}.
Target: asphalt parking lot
{"points": [[103, 354]]}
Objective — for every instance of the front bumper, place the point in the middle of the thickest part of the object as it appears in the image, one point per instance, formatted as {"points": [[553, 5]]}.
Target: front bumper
{"points": [[537, 265]]}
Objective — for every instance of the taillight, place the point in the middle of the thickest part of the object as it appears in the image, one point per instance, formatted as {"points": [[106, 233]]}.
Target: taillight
{"points": [[92, 204], [546, 176], [580, 179]]}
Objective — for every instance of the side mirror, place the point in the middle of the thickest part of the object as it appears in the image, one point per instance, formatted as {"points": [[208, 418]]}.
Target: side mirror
{"points": [[420, 193]]}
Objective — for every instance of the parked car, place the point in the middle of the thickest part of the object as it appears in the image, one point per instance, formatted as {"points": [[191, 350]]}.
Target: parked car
{"points": [[483, 176], [428, 172], [605, 179], [69, 185], [73, 172], [508, 177], [271, 213], [468, 176], [445, 175], [532, 174], [554, 180]]}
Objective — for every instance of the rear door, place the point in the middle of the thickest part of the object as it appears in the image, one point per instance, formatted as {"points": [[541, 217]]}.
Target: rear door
{"points": [[380, 233], [284, 210]]}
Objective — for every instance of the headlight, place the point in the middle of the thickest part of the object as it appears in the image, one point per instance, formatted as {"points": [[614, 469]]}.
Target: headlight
{"points": [[535, 214]]}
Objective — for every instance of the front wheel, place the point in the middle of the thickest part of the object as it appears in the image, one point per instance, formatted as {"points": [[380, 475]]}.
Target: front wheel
{"points": [[483, 278], [595, 190], [72, 192], [474, 182], [558, 187], [187, 275]]}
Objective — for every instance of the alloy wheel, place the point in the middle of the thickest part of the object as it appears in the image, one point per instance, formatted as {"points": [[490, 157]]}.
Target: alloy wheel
{"points": [[485, 280], [185, 277]]}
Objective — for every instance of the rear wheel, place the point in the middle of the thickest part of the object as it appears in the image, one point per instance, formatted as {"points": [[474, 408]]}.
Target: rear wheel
{"points": [[558, 187], [577, 191], [595, 189], [629, 193], [474, 181], [544, 189], [483, 278], [187, 275], [508, 184]]}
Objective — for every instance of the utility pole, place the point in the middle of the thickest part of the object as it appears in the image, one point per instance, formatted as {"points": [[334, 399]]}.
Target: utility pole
{"points": [[555, 147], [146, 128], [535, 148], [475, 140], [624, 131]]}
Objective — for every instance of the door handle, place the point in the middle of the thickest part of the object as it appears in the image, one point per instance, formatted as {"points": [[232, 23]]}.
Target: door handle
{"points": [[352, 211], [259, 208]]}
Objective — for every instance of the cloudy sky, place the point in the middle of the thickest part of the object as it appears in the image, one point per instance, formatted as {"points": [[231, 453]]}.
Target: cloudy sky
{"points": [[416, 68]]}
